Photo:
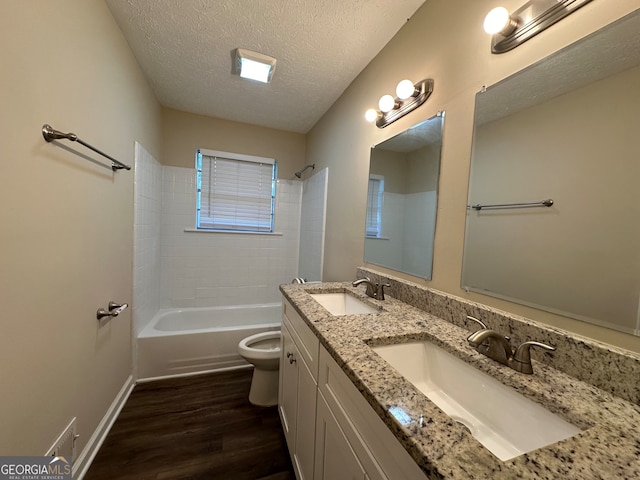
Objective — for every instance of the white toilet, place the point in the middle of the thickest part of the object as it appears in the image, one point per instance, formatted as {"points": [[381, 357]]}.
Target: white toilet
{"points": [[263, 351]]}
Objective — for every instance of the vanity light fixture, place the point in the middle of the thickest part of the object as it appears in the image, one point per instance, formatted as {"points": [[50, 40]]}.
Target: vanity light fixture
{"points": [[408, 97], [509, 30], [499, 20], [387, 103], [254, 65]]}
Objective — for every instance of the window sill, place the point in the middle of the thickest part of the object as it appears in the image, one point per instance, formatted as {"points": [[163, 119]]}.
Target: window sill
{"points": [[377, 238], [234, 232]]}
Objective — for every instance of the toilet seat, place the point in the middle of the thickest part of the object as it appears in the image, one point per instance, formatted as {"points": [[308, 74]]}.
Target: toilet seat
{"points": [[263, 345]]}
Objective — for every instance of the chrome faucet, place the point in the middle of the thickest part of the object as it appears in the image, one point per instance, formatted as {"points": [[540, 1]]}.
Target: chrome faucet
{"points": [[497, 347], [492, 344], [374, 290]]}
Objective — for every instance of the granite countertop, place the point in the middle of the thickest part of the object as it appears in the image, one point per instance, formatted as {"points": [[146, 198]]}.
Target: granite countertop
{"points": [[607, 448]]}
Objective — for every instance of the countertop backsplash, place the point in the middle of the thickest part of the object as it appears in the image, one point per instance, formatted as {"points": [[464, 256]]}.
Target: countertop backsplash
{"points": [[585, 359]]}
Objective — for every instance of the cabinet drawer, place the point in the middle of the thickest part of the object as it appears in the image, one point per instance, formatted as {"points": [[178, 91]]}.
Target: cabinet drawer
{"points": [[307, 343]]}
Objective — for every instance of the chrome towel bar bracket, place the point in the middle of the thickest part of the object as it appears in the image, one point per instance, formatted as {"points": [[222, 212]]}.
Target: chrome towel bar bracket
{"points": [[114, 309], [50, 134]]}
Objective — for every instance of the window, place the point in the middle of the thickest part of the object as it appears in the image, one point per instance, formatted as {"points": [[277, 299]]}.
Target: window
{"points": [[235, 192], [374, 205]]}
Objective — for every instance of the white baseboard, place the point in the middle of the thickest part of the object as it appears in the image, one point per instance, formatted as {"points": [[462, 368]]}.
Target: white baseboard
{"points": [[192, 374], [82, 464]]}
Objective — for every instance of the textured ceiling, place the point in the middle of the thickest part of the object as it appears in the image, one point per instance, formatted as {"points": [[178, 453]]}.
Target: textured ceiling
{"points": [[419, 136], [608, 51], [185, 49]]}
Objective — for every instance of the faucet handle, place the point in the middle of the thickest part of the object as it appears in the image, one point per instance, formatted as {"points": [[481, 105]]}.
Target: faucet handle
{"points": [[479, 322], [521, 360]]}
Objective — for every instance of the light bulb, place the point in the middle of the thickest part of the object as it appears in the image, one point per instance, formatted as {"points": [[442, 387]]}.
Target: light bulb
{"points": [[371, 115], [386, 103], [405, 89], [497, 20]]}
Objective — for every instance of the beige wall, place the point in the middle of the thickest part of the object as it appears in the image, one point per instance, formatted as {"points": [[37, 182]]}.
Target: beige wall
{"points": [[407, 172], [460, 61], [67, 223], [183, 133], [423, 167], [393, 167]]}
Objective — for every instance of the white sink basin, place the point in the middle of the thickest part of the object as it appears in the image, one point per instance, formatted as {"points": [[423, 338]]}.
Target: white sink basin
{"points": [[505, 422], [342, 304]]}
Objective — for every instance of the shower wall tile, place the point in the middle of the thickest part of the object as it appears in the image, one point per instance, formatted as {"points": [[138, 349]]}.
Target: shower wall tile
{"points": [[312, 226], [419, 229], [146, 242], [216, 269]]}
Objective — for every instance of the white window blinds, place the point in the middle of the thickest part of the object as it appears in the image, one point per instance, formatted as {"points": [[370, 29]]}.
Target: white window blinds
{"points": [[374, 206], [235, 192]]}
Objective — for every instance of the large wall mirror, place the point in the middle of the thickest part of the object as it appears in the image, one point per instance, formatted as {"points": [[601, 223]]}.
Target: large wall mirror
{"points": [[403, 198], [564, 129]]}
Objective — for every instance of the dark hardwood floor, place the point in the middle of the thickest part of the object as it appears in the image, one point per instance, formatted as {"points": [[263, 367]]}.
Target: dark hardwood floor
{"points": [[198, 428]]}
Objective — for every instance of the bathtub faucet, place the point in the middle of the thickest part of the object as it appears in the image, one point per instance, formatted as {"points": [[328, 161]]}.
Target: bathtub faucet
{"points": [[374, 290]]}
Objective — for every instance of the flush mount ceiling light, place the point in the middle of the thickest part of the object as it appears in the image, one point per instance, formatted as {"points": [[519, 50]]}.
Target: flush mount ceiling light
{"points": [[254, 65], [510, 30], [408, 97]]}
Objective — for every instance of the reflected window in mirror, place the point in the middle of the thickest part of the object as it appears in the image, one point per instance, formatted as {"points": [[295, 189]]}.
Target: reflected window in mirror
{"points": [[401, 209], [374, 206]]}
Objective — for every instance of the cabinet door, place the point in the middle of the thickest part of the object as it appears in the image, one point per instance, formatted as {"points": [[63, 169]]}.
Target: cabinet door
{"points": [[378, 451], [335, 459], [305, 421], [288, 389]]}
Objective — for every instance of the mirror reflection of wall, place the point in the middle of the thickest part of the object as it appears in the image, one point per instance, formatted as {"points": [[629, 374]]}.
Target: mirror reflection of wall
{"points": [[580, 257], [402, 199]]}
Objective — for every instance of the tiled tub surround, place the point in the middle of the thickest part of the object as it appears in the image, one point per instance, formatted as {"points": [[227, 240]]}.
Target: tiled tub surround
{"points": [[213, 269], [608, 447], [146, 243]]}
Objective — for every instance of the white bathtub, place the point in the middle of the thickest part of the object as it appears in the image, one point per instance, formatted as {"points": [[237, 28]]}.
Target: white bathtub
{"points": [[189, 340]]}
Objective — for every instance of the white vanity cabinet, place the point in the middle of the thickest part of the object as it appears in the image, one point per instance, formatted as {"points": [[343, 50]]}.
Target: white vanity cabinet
{"points": [[298, 390], [375, 448], [331, 431], [334, 456]]}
